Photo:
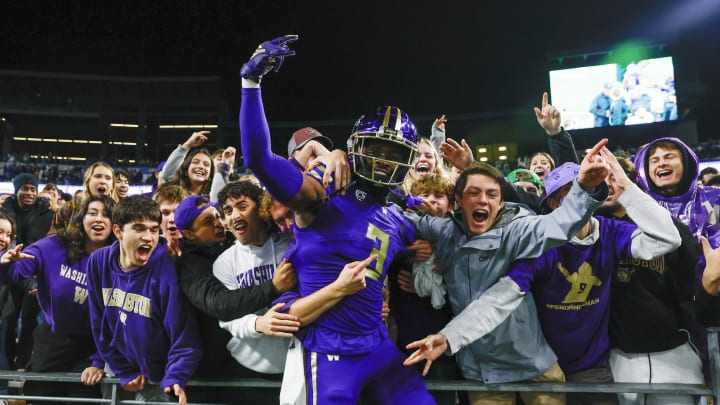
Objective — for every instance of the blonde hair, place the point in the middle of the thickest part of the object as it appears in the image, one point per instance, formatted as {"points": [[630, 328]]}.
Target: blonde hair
{"points": [[438, 170], [87, 176]]}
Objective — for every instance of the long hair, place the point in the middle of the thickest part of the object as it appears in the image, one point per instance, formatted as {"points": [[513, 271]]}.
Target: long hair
{"points": [[181, 175], [438, 170], [73, 238], [88, 175], [13, 229]]}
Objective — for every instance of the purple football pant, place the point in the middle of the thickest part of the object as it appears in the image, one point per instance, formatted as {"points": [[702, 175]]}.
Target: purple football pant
{"points": [[379, 376]]}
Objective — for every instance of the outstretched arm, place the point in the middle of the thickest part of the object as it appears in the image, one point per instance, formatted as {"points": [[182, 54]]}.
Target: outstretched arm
{"points": [[478, 319]]}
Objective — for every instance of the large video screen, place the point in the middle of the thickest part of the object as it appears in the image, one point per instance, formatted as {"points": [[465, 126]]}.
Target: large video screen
{"points": [[641, 92]]}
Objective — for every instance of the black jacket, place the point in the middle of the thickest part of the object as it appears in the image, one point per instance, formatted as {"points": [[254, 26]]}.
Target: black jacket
{"points": [[652, 301], [214, 301], [32, 224], [208, 294]]}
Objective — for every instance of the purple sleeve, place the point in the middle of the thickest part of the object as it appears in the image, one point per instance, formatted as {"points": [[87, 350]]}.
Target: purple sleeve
{"points": [[523, 272], [277, 174], [103, 334], [288, 298], [182, 329], [23, 269]]}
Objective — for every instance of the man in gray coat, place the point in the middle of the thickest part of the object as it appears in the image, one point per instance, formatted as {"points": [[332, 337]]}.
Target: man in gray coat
{"points": [[476, 246]]}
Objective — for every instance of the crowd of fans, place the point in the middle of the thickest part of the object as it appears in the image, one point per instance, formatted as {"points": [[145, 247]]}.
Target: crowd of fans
{"points": [[557, 269]]}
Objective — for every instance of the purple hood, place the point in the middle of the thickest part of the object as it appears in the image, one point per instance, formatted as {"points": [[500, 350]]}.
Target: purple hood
{"points": [[694, 205]]}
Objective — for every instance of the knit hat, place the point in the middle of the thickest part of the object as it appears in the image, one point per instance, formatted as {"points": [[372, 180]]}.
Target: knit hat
{"points": [[23, 179], [302, 136], [189, 209], [562, 175]]}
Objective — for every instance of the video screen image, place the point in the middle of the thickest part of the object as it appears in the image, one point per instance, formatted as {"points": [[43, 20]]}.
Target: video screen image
{"points": [[642, 92]]}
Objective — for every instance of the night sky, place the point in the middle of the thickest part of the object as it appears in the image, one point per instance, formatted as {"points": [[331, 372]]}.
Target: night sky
{"points": [[429, 58]]}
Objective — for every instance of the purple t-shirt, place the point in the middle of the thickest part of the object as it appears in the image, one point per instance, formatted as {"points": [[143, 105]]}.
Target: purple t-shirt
{"points": [[571, 286]]}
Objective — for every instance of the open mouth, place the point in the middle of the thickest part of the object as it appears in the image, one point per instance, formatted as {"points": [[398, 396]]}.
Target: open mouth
{"points": [[240, 226], [540, 172], [102, 190], [98, 229], [662, 174], [422, 168], [480, 215], [3, 245], [172, 229], [200, 173], [144, 251]]}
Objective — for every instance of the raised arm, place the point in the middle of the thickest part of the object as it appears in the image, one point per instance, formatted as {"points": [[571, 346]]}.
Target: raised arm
{"points": [[560, 142], [656, 234], [174, 161], [284, 182]]}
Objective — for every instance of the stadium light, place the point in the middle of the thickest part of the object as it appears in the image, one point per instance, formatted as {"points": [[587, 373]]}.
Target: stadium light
{"points": [[187, 126]]}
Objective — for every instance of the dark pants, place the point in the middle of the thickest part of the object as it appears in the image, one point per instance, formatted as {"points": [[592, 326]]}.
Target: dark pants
{"points": [[60, 353], [599, 374]]}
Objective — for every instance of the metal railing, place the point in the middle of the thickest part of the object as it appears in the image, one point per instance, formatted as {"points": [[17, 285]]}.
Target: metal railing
{"points": [[433, 385]]}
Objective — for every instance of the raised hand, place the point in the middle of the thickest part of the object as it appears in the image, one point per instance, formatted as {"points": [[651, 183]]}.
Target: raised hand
{"points": [[14, 254], [268, 56], [457, 154], [196, 139], [337, 169], [440, 122], [548, 116], [593, 169], [275, 323], [430, 348], [228, 156], [617, 178]]}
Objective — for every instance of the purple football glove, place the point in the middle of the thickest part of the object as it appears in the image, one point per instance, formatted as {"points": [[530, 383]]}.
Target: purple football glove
{"points": [[268, 56]]}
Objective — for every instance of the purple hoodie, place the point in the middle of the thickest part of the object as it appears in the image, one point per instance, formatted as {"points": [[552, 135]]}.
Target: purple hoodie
{"points": [[695, 205], [140, 320], [62, 287]]}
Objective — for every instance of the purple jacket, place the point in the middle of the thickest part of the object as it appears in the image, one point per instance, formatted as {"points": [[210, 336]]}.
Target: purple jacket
{"points": [[696, 206]]}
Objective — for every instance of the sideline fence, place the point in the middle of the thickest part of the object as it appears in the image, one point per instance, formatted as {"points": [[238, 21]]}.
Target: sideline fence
{"points": [[697, 390]]}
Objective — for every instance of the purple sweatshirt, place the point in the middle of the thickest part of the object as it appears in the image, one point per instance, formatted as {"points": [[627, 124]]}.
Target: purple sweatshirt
{"points": [[571, 286], [140, 320], [62, 287]]}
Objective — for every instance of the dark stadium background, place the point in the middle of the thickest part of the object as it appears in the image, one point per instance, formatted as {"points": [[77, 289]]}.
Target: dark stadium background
{"points": [[484, 64]]}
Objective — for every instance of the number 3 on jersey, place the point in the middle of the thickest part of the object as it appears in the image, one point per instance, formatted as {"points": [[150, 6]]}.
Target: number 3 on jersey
{"points": [[381, 241]]}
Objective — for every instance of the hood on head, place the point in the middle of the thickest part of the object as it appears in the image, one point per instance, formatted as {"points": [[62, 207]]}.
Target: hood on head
{"points": [[690, 169]]}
